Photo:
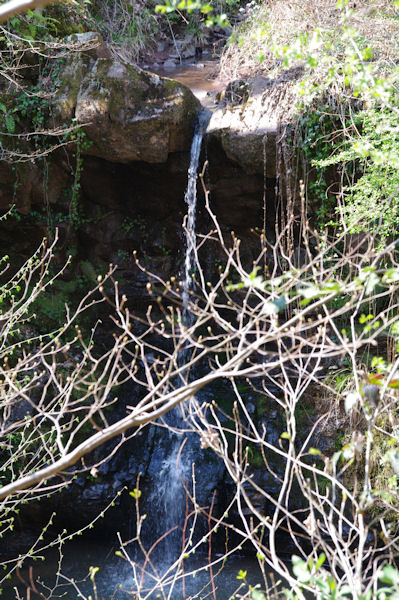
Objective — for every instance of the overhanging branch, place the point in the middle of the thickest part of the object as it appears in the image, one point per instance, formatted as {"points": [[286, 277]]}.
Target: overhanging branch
{"points": [[15, 7]]}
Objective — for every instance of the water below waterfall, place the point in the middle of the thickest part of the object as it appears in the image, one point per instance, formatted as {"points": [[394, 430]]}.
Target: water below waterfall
{"points": [[118, 579]]}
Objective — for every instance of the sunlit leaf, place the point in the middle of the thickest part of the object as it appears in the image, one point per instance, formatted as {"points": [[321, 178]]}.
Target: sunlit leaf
{"points": [[257, 595], [394, 460], [314, 452], [300, 569], [375, 378], [389, 575]]}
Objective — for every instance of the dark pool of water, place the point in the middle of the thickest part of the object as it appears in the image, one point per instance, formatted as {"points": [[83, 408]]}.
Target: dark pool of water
{"points": [[119, 579]]}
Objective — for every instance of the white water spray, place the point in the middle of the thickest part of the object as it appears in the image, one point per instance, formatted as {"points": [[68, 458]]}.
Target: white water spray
{"points": [[190, 198]]}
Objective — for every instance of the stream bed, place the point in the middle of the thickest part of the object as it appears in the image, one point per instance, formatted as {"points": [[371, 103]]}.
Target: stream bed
{"points": [[200, 77]]}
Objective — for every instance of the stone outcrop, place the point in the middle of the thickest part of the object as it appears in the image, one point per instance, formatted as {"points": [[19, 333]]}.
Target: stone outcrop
{"points": [[128, 114], [245, 128], [251, 117]]}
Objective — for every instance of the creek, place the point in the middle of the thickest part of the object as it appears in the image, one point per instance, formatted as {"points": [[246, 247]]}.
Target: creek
{"points": [[199, 77]]}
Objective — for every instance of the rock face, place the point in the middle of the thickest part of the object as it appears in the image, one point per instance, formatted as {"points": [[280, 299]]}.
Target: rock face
{"points": [[251, 120], [245, 128], [128, 114]]}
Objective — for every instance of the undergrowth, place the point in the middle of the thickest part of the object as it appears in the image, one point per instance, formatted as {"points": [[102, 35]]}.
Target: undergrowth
{"points": [[275, 28], [342, 97]]}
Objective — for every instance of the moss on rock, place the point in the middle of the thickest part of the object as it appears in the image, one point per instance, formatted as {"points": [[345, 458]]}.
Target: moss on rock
{"points": [[129, 114]]}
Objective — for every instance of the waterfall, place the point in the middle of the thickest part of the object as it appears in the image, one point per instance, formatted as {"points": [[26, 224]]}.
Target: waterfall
{"points": [[190, 198], [175, 468]]}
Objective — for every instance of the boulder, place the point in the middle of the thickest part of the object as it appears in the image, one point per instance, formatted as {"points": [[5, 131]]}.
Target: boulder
{"points": [[170, 64], [90, 42], [246, 123], [128, 114]]}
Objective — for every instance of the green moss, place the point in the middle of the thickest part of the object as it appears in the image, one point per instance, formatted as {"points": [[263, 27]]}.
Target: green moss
{"points": [[67, 17], [89, 271], [255, 457], [50, 309], [71, 77], [262, 404], [122, 87], [303, 414], [66, 287]]}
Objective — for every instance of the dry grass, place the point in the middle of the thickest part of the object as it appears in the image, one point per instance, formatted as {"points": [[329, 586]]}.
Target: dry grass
{"points": [[277, 23], [129, 28]]}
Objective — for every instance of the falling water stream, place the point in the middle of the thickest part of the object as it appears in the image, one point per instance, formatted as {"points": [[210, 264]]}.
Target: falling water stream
{"points": [[175, 471], [191, 199]]}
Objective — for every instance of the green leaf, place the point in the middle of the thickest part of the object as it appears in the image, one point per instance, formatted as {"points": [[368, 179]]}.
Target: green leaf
{"points": [[314, 452], [260, 557], [309, 291], [389, 575], [320, 561], [257, 595], [135, 493], [391, 276], [332, 583], [289, 594], [206, 9], [323, 585], [345, 589], [241, 575], [300, 569], [10, 123], [364, 318]]}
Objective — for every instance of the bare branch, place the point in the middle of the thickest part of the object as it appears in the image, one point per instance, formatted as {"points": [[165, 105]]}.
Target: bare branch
{"points": [[15, 7]]}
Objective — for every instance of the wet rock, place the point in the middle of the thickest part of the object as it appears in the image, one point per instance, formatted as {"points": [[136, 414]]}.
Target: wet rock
{"points": [[162, 46], [170, 64], [245, 130], [189, 51]]}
